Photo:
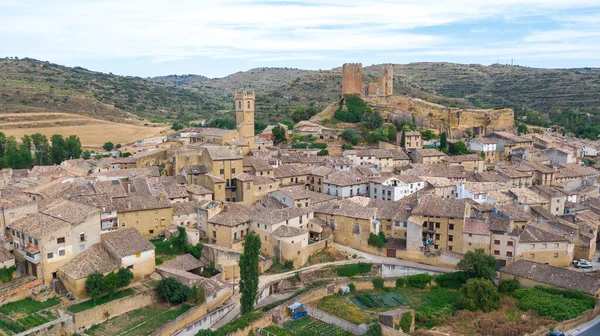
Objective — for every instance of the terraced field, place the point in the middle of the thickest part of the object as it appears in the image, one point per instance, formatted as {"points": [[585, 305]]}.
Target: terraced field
{"points": [[92, 132]]}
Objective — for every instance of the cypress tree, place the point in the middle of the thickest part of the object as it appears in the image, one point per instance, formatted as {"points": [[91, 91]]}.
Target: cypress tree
{"points": [[249, 273]]}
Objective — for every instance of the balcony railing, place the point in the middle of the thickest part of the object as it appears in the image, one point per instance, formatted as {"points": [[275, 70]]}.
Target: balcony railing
{"points": [[33, 255]]}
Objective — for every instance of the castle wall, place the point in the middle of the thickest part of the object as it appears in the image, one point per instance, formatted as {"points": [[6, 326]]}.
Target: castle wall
{"points": [[352, 79]]}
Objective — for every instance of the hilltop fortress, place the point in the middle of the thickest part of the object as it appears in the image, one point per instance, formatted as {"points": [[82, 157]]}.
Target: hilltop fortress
{"points": [[454, 121]]}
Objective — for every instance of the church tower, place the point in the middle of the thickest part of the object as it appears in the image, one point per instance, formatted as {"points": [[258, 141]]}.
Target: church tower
{"points": [[244, 116]]}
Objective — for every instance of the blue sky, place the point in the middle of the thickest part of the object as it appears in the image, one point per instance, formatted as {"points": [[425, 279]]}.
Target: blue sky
{"points": [[219, 37]]}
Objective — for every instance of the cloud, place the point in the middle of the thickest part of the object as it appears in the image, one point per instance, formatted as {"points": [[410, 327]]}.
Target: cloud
{"points": [[280, 30]]}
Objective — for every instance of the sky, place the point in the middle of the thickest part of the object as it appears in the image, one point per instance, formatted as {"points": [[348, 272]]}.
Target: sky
{"points": [[219, 37]]}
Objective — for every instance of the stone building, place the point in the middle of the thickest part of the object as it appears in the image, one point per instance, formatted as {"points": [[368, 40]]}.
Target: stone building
{"points": [[352, 81]]}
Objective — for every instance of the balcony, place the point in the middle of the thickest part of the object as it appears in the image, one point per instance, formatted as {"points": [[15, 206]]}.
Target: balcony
{"points": [[32, 254]]}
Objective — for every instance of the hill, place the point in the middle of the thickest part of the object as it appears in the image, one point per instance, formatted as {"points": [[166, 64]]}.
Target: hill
{"points": [[28, 85]]}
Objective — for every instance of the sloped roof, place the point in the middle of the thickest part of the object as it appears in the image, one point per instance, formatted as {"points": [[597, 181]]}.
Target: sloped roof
{"points": [[554, 276], [94, 259], [443, 207], [533, 234], [186, 262], [126, 242], [288, 231]]}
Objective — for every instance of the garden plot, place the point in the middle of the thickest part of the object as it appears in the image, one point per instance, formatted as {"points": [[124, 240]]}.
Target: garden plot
{"points": [[314, 327], [385, 300], [23, 315]]}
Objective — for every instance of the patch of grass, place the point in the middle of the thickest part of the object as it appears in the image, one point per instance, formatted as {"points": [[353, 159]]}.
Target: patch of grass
{"points": [[344, 308], [166, 248], [76, 308], [278, 331], [27, 306], [353, 269], [296, 293]]}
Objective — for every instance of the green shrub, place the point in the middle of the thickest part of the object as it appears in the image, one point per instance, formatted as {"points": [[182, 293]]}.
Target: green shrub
{"points": [[479, 294], [373, 330], [347, 147], [557, 306], [318, 145], [376, 240], [353, 269], [451, 280], [418, 280], [6, 273], [439, 306], [507, 287], [400, 282], [406, 321], [352, 287], [239, 323], [378, 283], [172, 291], [323, 152], [300, 145]]}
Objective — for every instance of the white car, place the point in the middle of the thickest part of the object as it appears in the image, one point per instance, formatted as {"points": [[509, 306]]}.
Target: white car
{"points": [[582, 263]]}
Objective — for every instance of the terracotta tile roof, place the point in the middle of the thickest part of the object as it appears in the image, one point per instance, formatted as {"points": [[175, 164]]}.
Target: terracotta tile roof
{"points": [[14, 200], [511, 172], [321, 170], [197, 189], [554, 276], [211, 286], [207, 131], [273, 215], [477, 226], [71, 212], [508, 136], [233, 214], [140, 203], [348, 209], [297, 193], [535, 234], [5, 255], [112, 188], [195, 169], [257, 162], [435, 170], [169, 189], [95, 259], [126, 242], [102, 201], [130, 173], [390, 210], [527, 196], [288, 231], [344, 178], [184, 208], [443, 207], [513, 212], [462, 158], [483, 187], [438, 181], [429, 152], [491, 176], [186, 262], [38, 225], [290, 170]]}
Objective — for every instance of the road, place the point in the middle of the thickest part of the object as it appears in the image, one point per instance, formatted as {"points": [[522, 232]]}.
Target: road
{"points": [[591, 328], [362, 257]]}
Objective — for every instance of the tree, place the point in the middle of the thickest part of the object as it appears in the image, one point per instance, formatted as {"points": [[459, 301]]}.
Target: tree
{"points": [[279, 135], [15, 156], [177, 126], [124, 277], [482, 154], [198, 295], [479, 294], [206, 332], [94, 285], [323, 152], [86, 155], [259, 127], [347, 147], [522, 129], [172, 291], [108, 146], [42, 149], [376, 240], [350, 135], [373, 330], [73, 146], [111, 283], [428, 134], [478, 264], [403, 140], [58, 151], [249, 272], [288, 123], [458, 148], [507, 287], [118, 146], [378, 283], [443, 142], [371, 120]]}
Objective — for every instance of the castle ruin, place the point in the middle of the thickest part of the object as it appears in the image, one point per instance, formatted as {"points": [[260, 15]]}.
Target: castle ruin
{"points": [[352, 81]]}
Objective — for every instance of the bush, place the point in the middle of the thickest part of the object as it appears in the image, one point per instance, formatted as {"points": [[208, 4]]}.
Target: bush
{"points": [[300, 145], [451, 280], [376, 240], [378, 283], [557, 306], [323, 152], [353, 269], [351, 136], [406, 321], [508, 287], [347, 147], [318, 145], [400, 282], [418, 280], [6, 273], [172, 291], [288, 264], [374, 330], [239, 323], [352, 287], [479, 294]]}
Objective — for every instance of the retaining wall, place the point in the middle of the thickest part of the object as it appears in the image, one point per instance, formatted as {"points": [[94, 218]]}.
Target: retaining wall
{"points": [[328, 318], [114, 308]]}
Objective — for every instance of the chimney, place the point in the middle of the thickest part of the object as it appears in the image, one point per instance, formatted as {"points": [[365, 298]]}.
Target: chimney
{"points": [[129, 204]]}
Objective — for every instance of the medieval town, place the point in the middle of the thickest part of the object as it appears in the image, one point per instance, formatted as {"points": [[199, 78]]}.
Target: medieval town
{"points": [[442, 221]]}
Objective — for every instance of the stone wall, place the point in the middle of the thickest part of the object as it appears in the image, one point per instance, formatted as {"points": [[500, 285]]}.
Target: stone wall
{"points": [[19, 292], [352, 79], [114, 308], [191, 316], [204, 323], [387, 331]]}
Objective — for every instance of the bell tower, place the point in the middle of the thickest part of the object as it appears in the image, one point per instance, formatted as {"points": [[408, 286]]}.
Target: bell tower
{"points": [[244, 115]]}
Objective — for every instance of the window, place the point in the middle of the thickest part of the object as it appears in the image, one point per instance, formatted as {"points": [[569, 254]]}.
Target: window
{"points": [[451, 227], [544, 245], [496, 252], [60, 240], [137, 255], [214, 234], [248, 104], [470, 235], [82, 237], [437, 236], [130, 267], [247, 186], [555, 255], [496, 242], [356, 228], [16, 244], [62, 252], [450, 238], [240, 104], [509, 253], [510, 243], [232, 169], [82, 247], [437, 225], [532, 255], [50, 255], [436, 247], [151, 231], [532, 246], [221, 171]]}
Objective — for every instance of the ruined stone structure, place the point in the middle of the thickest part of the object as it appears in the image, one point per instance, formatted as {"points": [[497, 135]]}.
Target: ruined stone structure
{"points": [[244, 116], [384, 86], [352, 79]]}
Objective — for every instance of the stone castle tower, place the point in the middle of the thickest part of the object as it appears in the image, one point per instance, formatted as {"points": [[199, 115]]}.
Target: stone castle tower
{"points": [[352, 79], [244, 115], [388, 79]]}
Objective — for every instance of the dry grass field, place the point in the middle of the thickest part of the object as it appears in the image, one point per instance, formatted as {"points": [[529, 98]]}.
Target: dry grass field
{"points": [[92, 132]]}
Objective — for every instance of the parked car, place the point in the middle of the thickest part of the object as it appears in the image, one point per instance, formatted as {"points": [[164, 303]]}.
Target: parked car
{"points": [[556, 333], [582, 263]]}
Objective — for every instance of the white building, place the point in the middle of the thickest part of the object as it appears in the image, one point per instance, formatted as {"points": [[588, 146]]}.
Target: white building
{"points": [[345, 184], [393, 188], [482, 145], [478, 191]]}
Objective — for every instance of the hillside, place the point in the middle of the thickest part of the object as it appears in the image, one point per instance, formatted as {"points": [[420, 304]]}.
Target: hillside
{"points": [[30, 85]]}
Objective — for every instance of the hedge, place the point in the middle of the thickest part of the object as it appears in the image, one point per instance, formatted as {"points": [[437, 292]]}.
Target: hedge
{"points": [[418, 280], [451, 280], [406, 321], [239, 323], [353, 269], [378, 283], [318, 145], [400, 282]]}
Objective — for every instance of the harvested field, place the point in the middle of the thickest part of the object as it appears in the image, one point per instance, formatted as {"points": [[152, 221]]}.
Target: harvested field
{"points": [[92, 132]]}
